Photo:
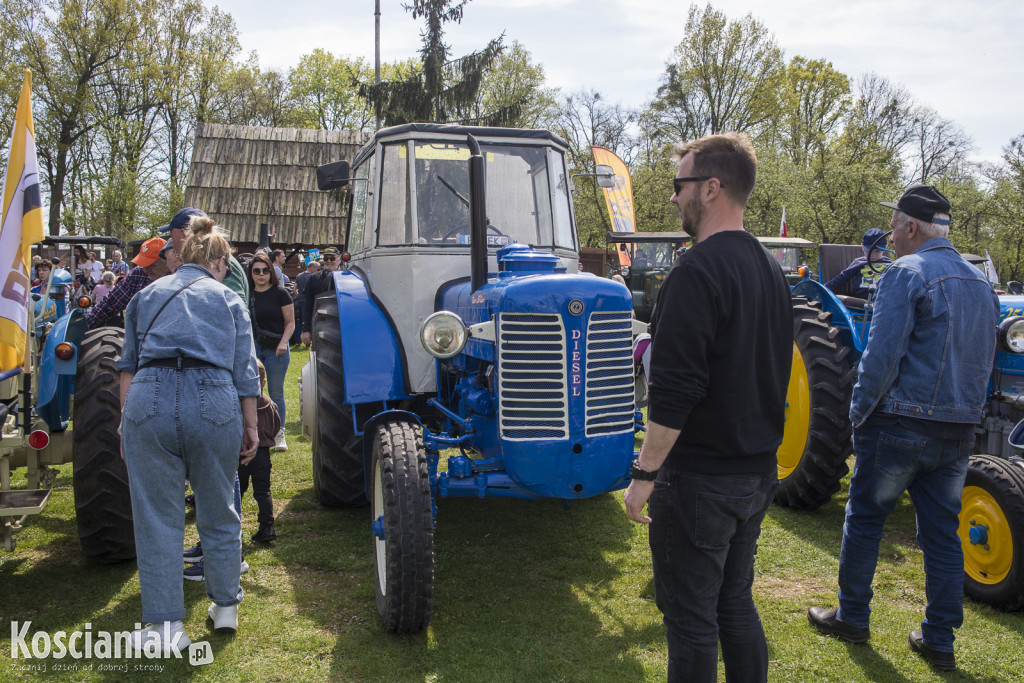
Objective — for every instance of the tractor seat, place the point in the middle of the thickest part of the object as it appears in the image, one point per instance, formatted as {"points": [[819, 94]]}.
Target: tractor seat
{"points": [[853, 303]]}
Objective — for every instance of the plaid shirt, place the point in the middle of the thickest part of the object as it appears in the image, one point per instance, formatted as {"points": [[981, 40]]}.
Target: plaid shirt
{"points": [[116, 301]]}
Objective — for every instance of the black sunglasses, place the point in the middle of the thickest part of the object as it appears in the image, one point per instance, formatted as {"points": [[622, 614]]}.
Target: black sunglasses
{"points": [[261, 271], [677, 183], [329, 258]]}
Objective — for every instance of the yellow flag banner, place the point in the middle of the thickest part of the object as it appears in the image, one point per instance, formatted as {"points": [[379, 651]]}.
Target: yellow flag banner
{"points": [[21, 226], [618, 199]]}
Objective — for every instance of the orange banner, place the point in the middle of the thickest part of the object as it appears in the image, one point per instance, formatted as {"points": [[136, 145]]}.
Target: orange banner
{"points": [[618, 199]]}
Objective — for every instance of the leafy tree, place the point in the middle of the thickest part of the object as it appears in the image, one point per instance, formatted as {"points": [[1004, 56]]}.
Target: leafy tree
{"points": [[813, 103], [723, 76], [515, 85], [325, 91], [73, 48]]}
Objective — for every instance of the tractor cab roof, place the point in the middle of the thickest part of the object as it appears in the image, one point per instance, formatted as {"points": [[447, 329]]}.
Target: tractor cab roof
{"points": [[777, 242], [646, 237], [427, 131]]}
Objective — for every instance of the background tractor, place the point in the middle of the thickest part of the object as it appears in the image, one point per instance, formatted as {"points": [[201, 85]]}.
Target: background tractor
{"points": [[831, 332], [453, 359], [44, 426]]}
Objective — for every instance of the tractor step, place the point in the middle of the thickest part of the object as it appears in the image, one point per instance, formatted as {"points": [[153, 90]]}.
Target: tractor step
{"points": [[17, 503]]}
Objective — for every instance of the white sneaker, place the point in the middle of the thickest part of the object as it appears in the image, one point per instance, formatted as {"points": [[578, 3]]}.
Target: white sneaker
{"points": [[165, 638], [224, 618], [279, 443]]}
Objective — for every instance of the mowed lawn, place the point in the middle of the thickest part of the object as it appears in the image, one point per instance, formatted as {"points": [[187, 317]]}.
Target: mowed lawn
{"points": [[524, 591]]}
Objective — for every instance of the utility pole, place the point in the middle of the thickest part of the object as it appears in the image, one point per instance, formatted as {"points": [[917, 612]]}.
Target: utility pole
{"points": [[376, 69]]}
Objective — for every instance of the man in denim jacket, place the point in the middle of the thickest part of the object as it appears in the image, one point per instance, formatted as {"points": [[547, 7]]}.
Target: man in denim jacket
{"points": [[922, 384]]}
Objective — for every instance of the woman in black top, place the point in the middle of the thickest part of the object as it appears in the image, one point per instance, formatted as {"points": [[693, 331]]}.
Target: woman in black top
{"points": [[273, 321]]}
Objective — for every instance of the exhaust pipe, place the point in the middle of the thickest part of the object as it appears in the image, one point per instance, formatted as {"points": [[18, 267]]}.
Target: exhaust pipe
{"points": [[477, 217]]}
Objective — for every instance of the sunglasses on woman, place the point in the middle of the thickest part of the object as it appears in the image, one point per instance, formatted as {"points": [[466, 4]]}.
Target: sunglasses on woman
{"points": [[261, 271]]}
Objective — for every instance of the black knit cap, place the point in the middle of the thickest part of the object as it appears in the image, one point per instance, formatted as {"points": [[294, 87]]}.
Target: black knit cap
{"points": [[922, 202]]}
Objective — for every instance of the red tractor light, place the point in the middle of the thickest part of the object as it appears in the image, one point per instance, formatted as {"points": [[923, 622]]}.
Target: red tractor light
{"points": [[804, 271], [84, 302], [38, 440], [64, 351]]}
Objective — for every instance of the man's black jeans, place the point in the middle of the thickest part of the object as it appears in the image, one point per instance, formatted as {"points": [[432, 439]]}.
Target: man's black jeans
{"points": [[703, 540]]}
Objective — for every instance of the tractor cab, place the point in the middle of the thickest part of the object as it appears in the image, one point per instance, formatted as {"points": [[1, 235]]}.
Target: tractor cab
{"points": [[791, 254], [642, 260]]}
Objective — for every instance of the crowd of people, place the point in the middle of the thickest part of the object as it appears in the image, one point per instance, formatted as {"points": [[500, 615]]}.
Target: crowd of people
{"points": [[721, 352], [208, 343], [206, 350]]}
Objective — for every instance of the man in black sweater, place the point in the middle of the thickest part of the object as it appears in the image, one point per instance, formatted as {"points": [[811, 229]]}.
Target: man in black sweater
{"points": [[722, 345]]}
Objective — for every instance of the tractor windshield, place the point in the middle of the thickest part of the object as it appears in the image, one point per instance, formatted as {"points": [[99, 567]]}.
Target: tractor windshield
{"points": [[425, 195]]}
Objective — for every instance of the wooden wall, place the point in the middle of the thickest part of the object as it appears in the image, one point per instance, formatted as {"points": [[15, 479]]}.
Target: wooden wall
{"points": [[245, 175]]}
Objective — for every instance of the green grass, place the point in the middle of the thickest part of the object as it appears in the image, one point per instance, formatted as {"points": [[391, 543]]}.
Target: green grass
{"points": [[524, 591]]}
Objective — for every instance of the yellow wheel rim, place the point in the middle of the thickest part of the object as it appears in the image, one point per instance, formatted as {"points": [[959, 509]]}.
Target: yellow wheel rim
{"points": [[988, 562], [798, 417]]}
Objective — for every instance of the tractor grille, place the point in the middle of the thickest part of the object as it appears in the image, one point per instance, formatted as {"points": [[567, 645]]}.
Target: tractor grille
{"points": [[609, 386], [532, 391]]}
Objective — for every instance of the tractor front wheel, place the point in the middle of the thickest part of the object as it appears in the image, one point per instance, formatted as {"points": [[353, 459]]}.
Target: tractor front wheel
{"points": [[992, 531], [337, 450], [818, 436], [403, 527], [103, 504]]}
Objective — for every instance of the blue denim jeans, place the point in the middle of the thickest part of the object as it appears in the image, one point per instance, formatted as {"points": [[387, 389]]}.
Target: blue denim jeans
{"points": [[703, 538], [891, 460], [178, 424], [277, 368]]}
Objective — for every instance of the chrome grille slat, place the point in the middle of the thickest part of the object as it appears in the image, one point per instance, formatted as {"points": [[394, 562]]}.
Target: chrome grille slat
{"points": [[532, 387], [609, 379]]}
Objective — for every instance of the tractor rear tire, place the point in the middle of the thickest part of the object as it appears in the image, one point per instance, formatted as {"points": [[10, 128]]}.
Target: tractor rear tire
{"points": [[993, 502], [103, 505], [818, 436], [403, 527], [337, 450]]}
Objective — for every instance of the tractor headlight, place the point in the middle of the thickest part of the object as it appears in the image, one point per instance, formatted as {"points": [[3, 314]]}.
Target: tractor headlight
{"points": [[443, 334], [1011, 334]]}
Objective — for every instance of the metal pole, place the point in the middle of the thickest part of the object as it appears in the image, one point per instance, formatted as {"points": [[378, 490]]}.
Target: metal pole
{"points": [[376, 70]]}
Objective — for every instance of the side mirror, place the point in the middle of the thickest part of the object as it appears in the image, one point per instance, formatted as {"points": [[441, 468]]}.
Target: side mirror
{"points": [[605, 175], [330, 176]]}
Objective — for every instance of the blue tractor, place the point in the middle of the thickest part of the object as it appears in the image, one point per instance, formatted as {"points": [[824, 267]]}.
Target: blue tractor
{"points": [[830, 335], [44, 426], [461, 354]]}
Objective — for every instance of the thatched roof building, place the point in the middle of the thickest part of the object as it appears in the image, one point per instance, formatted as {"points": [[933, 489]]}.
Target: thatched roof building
{"points": [[246, 175]]}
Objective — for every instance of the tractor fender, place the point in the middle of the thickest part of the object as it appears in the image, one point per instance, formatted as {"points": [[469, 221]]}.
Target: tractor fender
{"points": [[368, 430], [372, 359], [55, 381], [841, 318]]}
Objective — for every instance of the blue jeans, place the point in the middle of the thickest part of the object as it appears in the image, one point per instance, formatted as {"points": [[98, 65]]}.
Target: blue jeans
{"points": [[277, 368], [703, 538], [178, 424], [891, 460]]}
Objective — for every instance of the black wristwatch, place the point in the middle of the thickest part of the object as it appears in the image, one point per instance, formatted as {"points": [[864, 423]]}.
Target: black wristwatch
{"points": [[639, 473]]}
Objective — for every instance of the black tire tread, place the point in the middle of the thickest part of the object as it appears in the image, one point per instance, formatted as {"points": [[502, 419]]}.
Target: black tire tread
{"points": [[337, 450], [406, 605], [830, 438], [103, 503], [1004, 480]]}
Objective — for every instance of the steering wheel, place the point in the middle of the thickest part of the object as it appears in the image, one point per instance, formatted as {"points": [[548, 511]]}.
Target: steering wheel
{"points": [[876, 245], [464, 228]]}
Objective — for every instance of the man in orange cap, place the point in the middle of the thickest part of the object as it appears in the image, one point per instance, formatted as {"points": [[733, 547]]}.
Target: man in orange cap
{"points": [[148, 268]]}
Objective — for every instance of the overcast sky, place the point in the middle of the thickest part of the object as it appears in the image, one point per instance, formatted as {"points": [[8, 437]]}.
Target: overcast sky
{"points": [[963, 58]]}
